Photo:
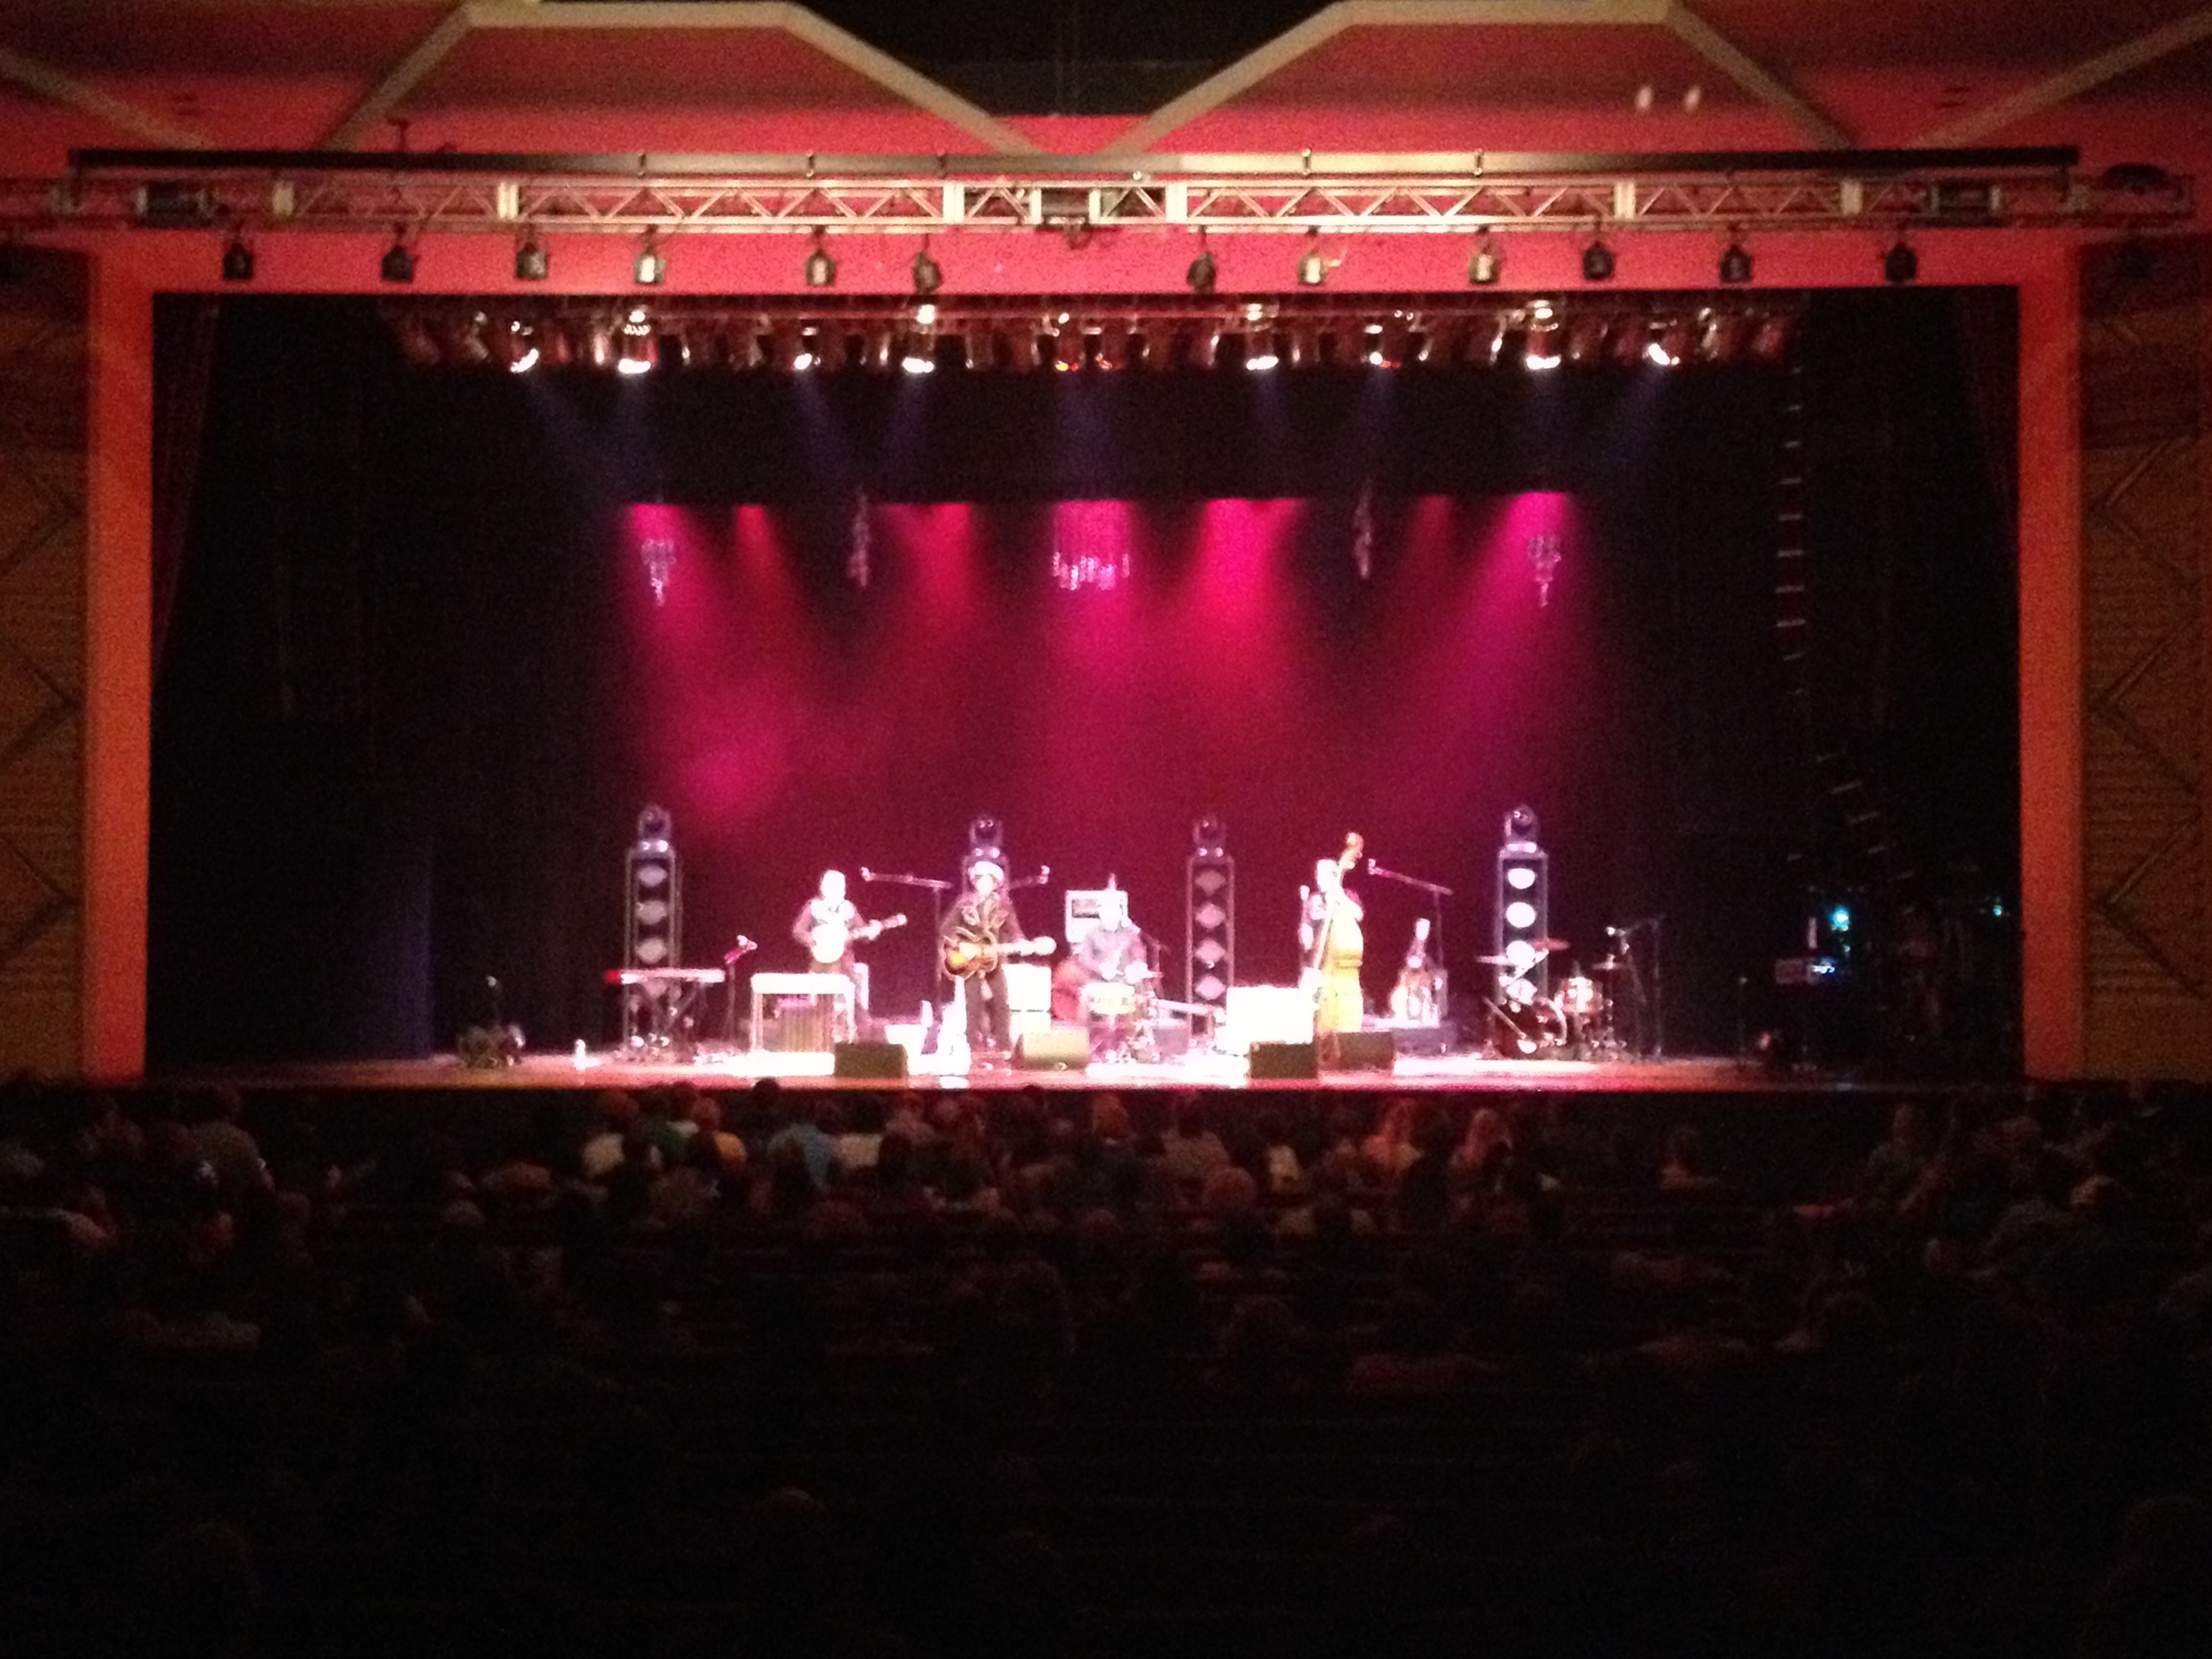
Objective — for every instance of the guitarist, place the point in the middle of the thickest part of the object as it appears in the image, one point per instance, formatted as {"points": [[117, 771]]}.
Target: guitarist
{"points": [[986, 916], [829, 926]]}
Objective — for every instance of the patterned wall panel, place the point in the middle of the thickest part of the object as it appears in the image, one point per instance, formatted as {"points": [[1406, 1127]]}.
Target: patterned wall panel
{"points": [[2146, 350], [42, 473]]}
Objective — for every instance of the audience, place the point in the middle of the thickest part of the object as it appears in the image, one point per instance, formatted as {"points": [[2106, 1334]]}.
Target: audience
{"points": [[770, 1369]]}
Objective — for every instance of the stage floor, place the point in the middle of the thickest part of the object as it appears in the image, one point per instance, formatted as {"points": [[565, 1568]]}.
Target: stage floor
{"points": [[730, 1070]]}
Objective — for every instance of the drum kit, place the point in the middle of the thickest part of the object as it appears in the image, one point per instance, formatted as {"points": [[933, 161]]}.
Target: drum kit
{"points": [[1574, 1021]]}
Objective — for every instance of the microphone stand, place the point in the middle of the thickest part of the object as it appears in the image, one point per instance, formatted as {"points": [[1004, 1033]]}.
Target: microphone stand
{"points": [[935, 888], [1438, 892], [731, 958]]}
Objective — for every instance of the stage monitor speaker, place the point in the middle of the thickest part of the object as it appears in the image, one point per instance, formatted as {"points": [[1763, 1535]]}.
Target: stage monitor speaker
{"points": [[1426, 1040], [1362, 1051], [1277, 1062], [1055, 1048], [877, 1061]]}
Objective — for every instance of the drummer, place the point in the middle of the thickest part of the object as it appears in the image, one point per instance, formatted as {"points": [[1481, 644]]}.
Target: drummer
{"points": [[1113, 960]]}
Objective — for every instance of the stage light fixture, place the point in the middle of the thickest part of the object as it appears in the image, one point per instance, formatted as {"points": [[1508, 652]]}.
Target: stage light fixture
{"points": [[237, 259], [1205, 345], [533, 264], [1203, 272], [1024, 351], [599, 343], [1901, 264], [975, 350], [1486, 340], [556, 350], [1389, 343], [875, 347], [641, 349], [1541, 350], [1486, 265], [787, 345], [1735, 263], [417, 344], [1597, 263], [1313, 269], [514, 346], [468, 341], [1159, 346], [1259, 350], [1302, 346], [1111, 353], [398, 264], [929, 276], [1721, 336], [1067, 348], [1670, 343], [821, 270], [1771, 339], [1585, 340], [830, 347], [920, 356], [650, 268]]}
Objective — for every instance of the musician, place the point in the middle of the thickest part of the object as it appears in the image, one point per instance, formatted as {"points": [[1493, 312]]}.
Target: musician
{"points": [[1331, 945], [1414, 1000], [1113, 953], [984, 911], [830, 918]]}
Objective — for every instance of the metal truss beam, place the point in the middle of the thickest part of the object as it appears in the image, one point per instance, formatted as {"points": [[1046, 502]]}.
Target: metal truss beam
{"points": [[1217, 194]]}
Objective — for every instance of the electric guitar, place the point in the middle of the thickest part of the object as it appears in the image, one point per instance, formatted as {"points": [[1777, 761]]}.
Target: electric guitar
{"points": [[832, 940], [970, 954]]}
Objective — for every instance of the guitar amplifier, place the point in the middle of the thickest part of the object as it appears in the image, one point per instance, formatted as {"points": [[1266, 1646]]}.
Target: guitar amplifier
{"points": [[878, 1062]]}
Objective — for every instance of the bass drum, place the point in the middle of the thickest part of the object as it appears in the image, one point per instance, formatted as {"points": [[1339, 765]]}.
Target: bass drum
{"points": [[1578, 997], [1068, 977]]}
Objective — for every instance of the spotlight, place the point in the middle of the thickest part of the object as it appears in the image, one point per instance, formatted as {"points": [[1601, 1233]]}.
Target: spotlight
{"points": [[1721, 336], [237, 259], [1302, 349], [1771, 340], [514, 346], [1669, 344], [975, 350], [398, 264], [929, 276], [1067, 348], [1205, 345], [651, 267], [1486, 340], [1486, 265], [1201, 274], [1159, 346], [1900, 263], [787, 346], [1112, 350], [1313, 270], [1542, 351], [920, 356], [1259, 350], [1597, 263], [532, 264], [821, 270], [640, 350], [1735, 264], [1586, 341], [1387, 345]]}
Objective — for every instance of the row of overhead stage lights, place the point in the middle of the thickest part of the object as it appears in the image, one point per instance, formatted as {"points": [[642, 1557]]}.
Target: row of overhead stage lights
{"points": [[1540, 335], [1486, 266]]}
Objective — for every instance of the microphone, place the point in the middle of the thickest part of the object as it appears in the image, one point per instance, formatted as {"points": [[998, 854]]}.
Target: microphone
{"points": [[1044, 873], [1373, 868], [866, 874]]}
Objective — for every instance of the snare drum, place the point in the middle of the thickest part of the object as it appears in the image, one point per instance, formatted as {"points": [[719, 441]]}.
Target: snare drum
{"points": [[1578, 996], [1104, 1000]]}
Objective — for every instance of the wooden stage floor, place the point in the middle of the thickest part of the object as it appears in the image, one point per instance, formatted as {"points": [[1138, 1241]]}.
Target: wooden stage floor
{"points": [[711, 1069]]}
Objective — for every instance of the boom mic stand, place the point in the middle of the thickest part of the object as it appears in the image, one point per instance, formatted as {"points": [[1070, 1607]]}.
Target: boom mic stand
{"points": [[1436, 890], [936, 889]]}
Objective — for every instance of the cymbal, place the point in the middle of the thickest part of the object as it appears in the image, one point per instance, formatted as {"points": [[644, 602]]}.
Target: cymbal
{"points": [[1548, 944], [1607, 964], [1495, 962]]}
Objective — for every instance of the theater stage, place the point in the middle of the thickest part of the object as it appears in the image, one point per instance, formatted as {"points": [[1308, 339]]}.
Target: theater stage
{"points": [[730, 1070]]}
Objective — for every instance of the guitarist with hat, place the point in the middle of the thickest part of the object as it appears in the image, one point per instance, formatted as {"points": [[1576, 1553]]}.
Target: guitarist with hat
{"points": [[979, 931]]}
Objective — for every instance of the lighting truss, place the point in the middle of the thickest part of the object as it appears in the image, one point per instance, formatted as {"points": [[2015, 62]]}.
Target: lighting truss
{"points": [[451, 193]]}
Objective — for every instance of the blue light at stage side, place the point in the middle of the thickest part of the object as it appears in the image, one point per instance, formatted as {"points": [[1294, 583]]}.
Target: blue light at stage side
{"points": [[1839, 918]]}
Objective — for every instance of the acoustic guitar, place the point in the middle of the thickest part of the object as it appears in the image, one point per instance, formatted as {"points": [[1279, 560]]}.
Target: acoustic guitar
{"points": [[970, 954]]}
